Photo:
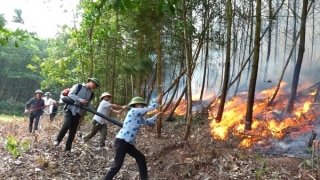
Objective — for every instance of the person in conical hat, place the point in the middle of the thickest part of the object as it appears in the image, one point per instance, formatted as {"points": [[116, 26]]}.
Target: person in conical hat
{"points": [[37, 105], [100, 124], [126, 137]]}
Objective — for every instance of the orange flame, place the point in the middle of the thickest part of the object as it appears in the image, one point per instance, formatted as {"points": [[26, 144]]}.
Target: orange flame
{"points": [[267, 121]]}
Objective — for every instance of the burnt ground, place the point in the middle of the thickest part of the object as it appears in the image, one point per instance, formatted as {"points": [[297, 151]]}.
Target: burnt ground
{"points": [[168, 157]]}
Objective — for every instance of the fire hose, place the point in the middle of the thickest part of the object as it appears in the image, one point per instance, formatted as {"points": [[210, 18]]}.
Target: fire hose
{"points": [[70, 101], [39, 108]]}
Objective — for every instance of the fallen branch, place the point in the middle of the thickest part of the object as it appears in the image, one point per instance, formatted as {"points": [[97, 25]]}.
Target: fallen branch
{"points": [[56, 126], [311, 177]]}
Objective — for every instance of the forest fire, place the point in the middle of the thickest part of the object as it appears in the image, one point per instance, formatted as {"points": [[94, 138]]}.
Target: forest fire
{"points": [[267, 121]]}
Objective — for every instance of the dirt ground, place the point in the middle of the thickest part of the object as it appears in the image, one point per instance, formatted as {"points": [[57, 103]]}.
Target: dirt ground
{"points": [[168, 157]]}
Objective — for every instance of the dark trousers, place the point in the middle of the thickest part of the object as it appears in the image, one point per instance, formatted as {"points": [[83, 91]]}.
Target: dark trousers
{"points": [[31, 118], [121, 148], [54, 112], [52, 115], [95, 128], [71, 123]]}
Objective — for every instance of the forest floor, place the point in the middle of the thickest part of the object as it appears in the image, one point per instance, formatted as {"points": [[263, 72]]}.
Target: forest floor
{"points": [[168, 157]]}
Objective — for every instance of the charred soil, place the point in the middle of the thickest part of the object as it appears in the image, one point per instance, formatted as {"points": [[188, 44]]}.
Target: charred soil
{"points": [[168, 157]]}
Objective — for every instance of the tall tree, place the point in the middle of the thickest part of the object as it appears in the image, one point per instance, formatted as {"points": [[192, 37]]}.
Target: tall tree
{"points": [[188, 58], [269, 41], [296, 73], [254, 71], [227, 64], [159, 74]]}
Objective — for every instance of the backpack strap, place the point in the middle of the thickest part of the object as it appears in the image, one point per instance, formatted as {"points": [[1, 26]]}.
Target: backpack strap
{"points": [[79, 88], [92, 95]]}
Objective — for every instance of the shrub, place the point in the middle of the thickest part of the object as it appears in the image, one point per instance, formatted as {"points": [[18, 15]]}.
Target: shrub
{"points": [[11, 107]]}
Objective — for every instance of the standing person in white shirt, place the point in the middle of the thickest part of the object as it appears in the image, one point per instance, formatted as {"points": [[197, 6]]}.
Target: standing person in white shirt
{"points": [[49, 103], [100, 124]]}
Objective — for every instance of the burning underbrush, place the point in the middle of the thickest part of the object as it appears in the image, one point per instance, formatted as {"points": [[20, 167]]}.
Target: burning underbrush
{"points": [[270, 126]]}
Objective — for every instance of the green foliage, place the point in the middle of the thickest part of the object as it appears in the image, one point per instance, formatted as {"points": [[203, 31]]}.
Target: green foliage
{"points": [[3, 21], [18, 18], [11, 107], [16, 148], [259, 173], [19, 82], [306, 164], [143, 67]]}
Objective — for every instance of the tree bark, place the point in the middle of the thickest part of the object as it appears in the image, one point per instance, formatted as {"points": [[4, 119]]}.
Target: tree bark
{"points": [[298, 65], [282, 73], [227, 65], [269, 42], [114, 56], [254, 71], [188, 57], [159, 76], [139, 77]]}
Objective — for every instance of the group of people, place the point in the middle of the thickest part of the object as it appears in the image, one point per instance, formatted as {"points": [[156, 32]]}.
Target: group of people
{"points": [[125, 138], [40, 105]]}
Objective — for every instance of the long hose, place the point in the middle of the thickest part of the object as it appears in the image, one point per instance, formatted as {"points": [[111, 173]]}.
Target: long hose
{"points": [[70, 101]]}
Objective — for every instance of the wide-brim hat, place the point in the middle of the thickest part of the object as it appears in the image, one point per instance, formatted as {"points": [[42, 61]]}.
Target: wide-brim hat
{"points": [[95, 80], [38, 91], [104, 95], [137, 100], [47, 94]]}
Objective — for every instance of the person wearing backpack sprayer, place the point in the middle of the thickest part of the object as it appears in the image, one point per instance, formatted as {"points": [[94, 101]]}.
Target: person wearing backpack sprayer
{"points": [[37, 104], [73, 114]]}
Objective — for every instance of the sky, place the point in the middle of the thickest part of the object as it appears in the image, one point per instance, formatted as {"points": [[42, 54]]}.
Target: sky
{"points": [[40, 16]]}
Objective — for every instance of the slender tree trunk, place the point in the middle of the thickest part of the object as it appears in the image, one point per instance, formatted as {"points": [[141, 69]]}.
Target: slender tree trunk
{"points": [[18, 91], [297, 68], [286, 34], [177, 103], [250, 39], [159, 76], [227, 65], [312, 38], [269, 42], [283, 71], [90, 34], [106, 73], [188, 54], [243, 50], [234, 44], [127, 84], [139, 77], [294, 56], [255, 64], [206, 53], [168, 103], [114, 56], [276, 46]]}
